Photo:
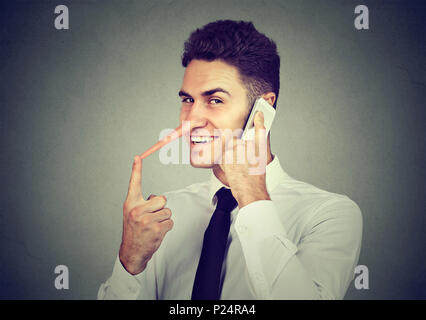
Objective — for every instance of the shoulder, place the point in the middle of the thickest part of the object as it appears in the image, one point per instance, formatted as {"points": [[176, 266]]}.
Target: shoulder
{"points": [[318, 205], [325, 219]]}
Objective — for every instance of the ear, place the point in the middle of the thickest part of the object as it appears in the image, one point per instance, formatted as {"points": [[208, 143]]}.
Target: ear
{"points": [[270, 97]]}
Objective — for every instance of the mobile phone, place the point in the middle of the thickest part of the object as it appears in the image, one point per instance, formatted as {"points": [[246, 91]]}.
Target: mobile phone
{"points": [[268, 112]]}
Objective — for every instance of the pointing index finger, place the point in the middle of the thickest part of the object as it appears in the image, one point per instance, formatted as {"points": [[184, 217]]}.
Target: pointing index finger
{"points": [[135, 183]]}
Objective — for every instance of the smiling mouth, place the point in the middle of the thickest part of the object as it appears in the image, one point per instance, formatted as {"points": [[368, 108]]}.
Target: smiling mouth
{"points": [[202, 139]]}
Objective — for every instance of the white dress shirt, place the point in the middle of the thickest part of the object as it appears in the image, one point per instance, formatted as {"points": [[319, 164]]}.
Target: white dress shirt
{"points": [[304, 243]]}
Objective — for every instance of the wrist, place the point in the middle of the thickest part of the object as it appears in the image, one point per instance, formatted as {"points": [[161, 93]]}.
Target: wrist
{"points": [[131, 266], [246, 198]]}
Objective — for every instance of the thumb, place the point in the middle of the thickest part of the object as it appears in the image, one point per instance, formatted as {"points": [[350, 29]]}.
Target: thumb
{"points": [[151, 196]]}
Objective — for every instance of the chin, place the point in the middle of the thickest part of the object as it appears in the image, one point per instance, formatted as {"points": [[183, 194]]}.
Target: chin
{"points": [[202, 155], [197, 164]]}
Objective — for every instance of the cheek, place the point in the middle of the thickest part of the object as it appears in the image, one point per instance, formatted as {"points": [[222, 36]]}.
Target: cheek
{"points": [[229, 120], [183, 113]]}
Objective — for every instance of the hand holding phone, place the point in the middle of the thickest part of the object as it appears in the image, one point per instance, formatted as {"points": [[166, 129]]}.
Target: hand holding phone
{"points": [[268, 114]]}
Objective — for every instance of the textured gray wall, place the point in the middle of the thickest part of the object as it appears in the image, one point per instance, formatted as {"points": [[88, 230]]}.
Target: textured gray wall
{"points": [[77, 105]]}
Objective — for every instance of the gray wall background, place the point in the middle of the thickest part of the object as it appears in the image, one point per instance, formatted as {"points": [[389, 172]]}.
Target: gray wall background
{"points": [[77, 105]]}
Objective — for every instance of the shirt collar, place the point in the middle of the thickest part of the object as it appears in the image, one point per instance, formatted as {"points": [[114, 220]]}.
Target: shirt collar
{"points": [[274, 175]]}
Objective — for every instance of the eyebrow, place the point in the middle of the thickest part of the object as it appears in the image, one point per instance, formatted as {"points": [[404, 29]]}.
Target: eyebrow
{"points": [[205, 93]]}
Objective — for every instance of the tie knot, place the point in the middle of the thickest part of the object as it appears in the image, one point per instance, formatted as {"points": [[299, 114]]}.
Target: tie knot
{"points": [[225, 200]]}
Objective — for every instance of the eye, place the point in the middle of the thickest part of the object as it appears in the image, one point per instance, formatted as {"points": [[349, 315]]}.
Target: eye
{"points": [[187, 100], [215, 101]]}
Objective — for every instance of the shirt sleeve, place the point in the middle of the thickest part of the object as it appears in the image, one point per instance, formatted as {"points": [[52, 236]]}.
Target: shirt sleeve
{"points": [[124, 286], [322, 264]]}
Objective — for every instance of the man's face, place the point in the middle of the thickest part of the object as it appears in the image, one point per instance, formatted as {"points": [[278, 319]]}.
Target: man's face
{"points": [[213, 97]]}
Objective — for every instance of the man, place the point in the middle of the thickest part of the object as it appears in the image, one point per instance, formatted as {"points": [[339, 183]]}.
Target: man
{"points": [[238, 235]]}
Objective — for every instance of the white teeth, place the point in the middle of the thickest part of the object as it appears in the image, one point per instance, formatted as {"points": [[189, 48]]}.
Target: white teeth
{"points": [[201, 139]]}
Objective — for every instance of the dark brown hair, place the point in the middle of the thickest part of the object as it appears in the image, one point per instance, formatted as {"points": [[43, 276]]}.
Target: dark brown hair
{"points": [[239, 44]]}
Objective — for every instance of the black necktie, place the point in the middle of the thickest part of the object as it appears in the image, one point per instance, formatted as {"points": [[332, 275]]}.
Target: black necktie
{"points": [[207, 278]]}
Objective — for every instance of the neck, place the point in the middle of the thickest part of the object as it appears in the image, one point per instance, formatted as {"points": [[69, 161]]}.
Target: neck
{"points": [[220, 174]]}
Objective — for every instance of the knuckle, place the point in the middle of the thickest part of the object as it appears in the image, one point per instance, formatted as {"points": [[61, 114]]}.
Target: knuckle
{"points": [[134, 214], [167, 225], [156, 229], [158, 201], [151, 196], [162, 201], [171, 224], [145, 221], [167, 212]]}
